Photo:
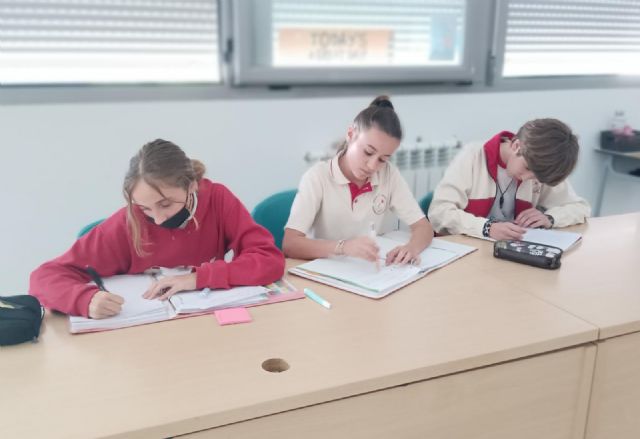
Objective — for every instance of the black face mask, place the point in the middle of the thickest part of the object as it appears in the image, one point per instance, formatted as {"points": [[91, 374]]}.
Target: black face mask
{"points": [[176, 220], [179, 218]]}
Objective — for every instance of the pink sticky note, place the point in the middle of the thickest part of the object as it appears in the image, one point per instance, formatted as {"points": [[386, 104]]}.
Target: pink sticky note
{"points": [[231, 316]]}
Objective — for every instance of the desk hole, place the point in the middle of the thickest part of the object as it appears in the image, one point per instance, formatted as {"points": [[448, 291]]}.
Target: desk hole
{"points": [[275, 365]]}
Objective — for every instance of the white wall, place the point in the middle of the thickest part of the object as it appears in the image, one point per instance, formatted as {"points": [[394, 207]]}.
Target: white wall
{"points": [[62, 165]]}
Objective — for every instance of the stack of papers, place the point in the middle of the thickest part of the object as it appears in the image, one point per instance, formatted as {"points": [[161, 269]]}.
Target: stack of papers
{"points": [[364, 278], [198, 301]]}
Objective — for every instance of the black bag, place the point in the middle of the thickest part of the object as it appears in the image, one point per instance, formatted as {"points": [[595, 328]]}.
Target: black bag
{"points": [[20, 319]]}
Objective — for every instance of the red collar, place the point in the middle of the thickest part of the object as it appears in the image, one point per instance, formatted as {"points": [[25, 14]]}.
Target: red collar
{"points": [[492, 153], [357, 191]]}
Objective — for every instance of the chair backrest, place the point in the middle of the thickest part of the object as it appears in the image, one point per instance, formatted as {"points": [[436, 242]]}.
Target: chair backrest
{"points": [[425, 202], [272, 213], [86, 229]]}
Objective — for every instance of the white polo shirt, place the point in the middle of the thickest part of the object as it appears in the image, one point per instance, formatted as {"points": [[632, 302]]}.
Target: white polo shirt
{"points": [[323, 209]]}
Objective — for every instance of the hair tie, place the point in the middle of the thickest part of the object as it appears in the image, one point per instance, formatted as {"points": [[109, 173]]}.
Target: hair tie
{"points": [[384, 103]]}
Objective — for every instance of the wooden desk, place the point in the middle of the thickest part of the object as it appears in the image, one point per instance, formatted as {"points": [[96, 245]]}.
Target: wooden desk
{"points": [[599, 282], [507, 364], [607, 294]]}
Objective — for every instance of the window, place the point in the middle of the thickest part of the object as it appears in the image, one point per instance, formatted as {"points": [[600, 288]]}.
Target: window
{"points": [[316, 41], [108, 41], [571, 37]]}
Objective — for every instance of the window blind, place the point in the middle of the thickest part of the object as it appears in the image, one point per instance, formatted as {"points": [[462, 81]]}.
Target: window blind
{"points": [[108, 41], [571, 37]]}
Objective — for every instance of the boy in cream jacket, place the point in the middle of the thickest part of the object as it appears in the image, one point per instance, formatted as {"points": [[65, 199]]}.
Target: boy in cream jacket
{"points": [[511, 182]]}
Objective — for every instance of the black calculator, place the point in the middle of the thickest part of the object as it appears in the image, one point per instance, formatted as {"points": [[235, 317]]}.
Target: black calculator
{"points": [[530, 253]]}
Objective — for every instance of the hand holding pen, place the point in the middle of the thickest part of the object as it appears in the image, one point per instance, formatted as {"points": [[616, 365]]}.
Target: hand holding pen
{"points": [[103, 303], [362, 247]]}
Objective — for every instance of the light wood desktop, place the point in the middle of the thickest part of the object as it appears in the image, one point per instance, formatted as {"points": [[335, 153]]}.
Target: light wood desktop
{"points": [[599, 282], [460, 353]]}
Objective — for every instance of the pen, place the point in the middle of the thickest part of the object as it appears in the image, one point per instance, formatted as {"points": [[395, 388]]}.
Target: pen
{"points": [[205, 292], [372, 235], [313, 296], [372, 230], [95, 277]]}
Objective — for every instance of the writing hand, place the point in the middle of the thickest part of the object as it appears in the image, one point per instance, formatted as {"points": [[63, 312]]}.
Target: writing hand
{"points": [[105, 304], [362, 247]]}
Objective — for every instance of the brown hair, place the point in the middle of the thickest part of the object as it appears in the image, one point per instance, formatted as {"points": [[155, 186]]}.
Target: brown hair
{"points": [[158, 163], [549, 148], [381, 114]]}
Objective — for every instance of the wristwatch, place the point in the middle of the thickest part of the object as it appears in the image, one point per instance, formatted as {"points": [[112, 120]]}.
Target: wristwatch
{"points": [[339, 250]]}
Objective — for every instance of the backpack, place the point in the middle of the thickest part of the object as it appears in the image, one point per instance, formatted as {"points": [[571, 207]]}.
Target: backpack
{"points": [[20, 319]]}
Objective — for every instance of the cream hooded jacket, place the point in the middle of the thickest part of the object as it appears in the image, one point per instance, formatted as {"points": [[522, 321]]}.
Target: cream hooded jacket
{"points": [[463, 198]]}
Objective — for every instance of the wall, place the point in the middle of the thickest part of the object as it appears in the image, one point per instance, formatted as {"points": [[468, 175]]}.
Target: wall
{"points": [[63, 164]]}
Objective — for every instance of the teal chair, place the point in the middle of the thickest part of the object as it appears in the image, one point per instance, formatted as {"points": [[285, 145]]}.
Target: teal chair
{"points": [[86, 229], [272, 213], [425, 202]]}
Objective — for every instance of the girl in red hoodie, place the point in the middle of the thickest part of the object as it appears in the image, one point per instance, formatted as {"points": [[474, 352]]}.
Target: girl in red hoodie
{"points": [[174, 217]]}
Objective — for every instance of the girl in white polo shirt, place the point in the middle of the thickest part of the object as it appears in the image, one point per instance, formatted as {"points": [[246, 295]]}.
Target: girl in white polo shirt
{"points": [[340, 202]]}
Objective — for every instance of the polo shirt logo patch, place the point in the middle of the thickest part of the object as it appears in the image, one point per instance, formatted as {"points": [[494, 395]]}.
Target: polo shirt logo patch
{"points": [[379, 204]]}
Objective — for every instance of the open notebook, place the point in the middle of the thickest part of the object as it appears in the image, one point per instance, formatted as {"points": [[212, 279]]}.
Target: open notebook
{"points": [[555, 238], [139, 311], [362, 277]]}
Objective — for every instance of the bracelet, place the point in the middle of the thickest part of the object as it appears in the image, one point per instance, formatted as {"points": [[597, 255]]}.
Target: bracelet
{"points": [[551, 220], [486, 228], [339, 250]]}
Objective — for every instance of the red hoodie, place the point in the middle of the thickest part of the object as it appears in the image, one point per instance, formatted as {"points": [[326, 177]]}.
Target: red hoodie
{"points": [[223, 223]]}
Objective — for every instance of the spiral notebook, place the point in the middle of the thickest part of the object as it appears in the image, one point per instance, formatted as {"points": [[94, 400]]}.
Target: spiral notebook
{"points": [[137, 310]]}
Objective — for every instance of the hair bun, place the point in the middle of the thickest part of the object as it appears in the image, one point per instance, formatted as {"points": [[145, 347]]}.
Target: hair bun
{"points": [[382, 102]]}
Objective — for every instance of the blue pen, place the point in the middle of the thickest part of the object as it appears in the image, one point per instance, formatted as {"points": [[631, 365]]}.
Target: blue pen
{"points": [[313, 296]]}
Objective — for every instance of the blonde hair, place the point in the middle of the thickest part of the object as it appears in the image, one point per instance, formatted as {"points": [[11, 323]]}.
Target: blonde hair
{"points": [[159, 162], [381, 114], [549, 148]]}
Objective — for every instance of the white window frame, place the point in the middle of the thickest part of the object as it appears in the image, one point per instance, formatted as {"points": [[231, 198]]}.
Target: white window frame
{"points": [[472, 69], [486, 55], [496, 81]]}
